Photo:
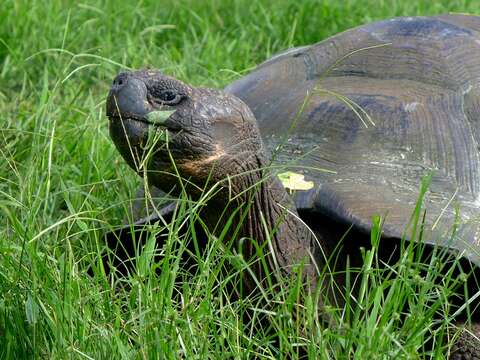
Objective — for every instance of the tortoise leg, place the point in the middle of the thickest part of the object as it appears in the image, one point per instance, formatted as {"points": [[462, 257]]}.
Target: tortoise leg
{"points": [[467, 345], [125, 241]]}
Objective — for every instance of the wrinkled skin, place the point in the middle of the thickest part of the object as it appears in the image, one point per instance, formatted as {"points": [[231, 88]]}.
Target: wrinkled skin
{"points": [[208, 129], [467, 345], [212, 137]]}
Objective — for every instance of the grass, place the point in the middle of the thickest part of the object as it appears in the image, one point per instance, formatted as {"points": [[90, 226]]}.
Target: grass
{"points": [[63, 185]]}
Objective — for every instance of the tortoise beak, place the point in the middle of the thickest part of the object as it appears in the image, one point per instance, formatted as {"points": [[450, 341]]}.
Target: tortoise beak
{"points": [[128, 97]]}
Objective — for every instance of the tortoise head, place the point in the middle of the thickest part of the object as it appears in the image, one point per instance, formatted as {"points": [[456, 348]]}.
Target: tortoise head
{"points": [[166, 127]]}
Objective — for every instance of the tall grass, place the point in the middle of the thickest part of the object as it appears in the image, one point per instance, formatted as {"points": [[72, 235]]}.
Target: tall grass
{"points": [[63, 186]]}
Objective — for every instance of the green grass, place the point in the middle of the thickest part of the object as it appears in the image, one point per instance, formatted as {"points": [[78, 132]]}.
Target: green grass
{"points": [[63, 185]]}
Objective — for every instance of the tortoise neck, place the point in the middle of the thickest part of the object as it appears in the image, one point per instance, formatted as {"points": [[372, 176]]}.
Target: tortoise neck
{"points": [[266, 218]]}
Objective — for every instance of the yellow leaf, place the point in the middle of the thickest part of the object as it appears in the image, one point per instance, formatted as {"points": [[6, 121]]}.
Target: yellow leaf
{"points": [[294, 181]]}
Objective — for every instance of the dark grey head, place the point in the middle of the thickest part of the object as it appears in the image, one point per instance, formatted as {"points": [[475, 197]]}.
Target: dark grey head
{"points": [[206, 133]]}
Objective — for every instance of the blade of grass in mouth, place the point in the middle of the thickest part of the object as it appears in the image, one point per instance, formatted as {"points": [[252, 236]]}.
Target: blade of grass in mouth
{"points": [[159, 117]]}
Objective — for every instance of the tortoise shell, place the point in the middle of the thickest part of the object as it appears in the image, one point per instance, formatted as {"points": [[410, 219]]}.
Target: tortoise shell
{"points": [[381, 106]]}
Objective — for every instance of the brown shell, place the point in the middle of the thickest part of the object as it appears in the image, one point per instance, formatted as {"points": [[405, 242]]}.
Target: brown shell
{"points": [[418, 79]]}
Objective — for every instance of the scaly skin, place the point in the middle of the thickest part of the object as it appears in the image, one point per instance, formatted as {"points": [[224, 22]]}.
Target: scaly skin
{"points": [[467, 346]]}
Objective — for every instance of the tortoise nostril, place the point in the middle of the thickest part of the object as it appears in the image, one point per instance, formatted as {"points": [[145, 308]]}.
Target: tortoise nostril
{"points": [[120, 81], [127, 95]]}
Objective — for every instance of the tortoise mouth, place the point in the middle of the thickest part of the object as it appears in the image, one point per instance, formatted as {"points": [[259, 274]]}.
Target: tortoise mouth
{"points": [[130, 118], [135, 131], [158, 118]]}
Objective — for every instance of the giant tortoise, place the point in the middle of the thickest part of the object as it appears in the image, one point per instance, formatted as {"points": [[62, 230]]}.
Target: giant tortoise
{"points": [[379, 106]]}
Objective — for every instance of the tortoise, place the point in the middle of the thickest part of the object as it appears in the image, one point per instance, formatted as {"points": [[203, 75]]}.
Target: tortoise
{"points": [[380, 106]]}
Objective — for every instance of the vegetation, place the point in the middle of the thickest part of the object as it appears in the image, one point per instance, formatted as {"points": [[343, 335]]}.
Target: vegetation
{"points": [[63, 185]]}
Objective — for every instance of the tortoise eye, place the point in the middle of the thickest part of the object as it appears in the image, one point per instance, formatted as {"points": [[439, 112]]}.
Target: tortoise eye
{"points": [[169, 97]]}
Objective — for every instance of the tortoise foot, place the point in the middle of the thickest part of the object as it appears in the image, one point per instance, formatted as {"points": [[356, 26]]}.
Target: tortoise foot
{"points": [[467, 345]]}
